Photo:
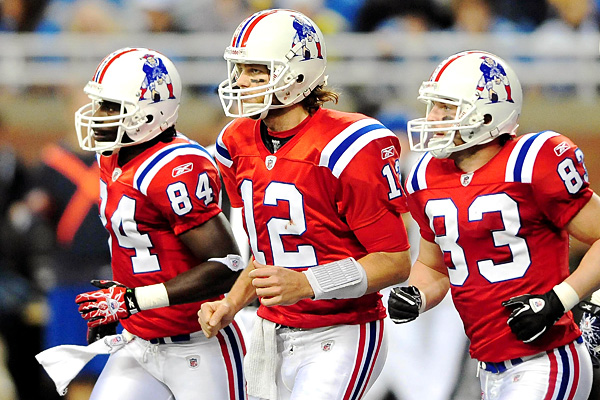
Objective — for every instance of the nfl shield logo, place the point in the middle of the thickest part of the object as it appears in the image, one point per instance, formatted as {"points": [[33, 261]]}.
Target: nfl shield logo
{"points": [[327, 345], [193, 361], [116, 174], [537, 304], [465, 179], [270, 162]]}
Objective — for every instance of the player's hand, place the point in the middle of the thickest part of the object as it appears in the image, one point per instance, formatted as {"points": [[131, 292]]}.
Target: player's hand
{"points": [[111, 303], [98, 332], [214, 316], [532, 314], [278, 285], [590, 329], [404, 304]]}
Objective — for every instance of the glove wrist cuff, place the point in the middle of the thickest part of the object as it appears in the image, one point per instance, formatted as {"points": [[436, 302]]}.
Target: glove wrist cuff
{"points": [[423, 305], [596, 298], [567, 295], [131, 302]]}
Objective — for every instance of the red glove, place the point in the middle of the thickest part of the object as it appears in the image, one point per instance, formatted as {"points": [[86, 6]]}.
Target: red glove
{"points": [[110, 304]]}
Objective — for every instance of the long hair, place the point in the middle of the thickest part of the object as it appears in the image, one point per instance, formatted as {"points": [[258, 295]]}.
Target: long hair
{"points": [[318, 97]]}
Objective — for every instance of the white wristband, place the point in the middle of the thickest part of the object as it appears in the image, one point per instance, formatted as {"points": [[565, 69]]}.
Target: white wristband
{"points": [[423, 302], [152, 296], [343, 279], [233, 261], [596, 297], [567, 295]]}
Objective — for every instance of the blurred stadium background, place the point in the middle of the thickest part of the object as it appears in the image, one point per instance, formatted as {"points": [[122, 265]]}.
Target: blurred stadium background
{"points": [[379, 52]]}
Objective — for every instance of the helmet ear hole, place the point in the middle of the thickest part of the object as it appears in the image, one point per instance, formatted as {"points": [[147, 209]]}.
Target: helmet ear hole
{"points": [[487, 118], [149, 118], [300, 78]]}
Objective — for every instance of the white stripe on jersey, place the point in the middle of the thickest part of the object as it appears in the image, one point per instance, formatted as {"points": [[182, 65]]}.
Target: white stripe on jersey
{"points": [[345, 151], [154, 163], [221, 151], [416, 178], [519, 167]]}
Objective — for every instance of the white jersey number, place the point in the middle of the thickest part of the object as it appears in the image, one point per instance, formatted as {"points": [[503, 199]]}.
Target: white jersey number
{"points": [[568, 173], [390, 176], [509, 213], [125, 229], [275, 193]]}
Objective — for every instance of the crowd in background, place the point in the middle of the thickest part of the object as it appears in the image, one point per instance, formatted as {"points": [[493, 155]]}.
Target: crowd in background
{"points": [[53, 16], [36, 257]]}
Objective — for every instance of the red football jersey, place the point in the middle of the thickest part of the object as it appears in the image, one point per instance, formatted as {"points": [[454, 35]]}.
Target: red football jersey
{"points": [[303, 205], [501, 231], [145, 204]]}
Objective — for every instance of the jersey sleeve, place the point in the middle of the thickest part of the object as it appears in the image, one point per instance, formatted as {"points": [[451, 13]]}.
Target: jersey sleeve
{"points": [[560, 180], [371, 190], [186, 189], [227, 169], [414, 182]]}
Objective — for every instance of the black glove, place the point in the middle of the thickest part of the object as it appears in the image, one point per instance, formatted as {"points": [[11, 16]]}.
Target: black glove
{"points": [[590, 329], [532, 314], [404, 304], [98, 332]]}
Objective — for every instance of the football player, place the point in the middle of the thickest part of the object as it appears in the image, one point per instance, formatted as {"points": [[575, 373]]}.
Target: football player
{"points": [[172, 248], [322, 205], [495, 213], [590, 326]]}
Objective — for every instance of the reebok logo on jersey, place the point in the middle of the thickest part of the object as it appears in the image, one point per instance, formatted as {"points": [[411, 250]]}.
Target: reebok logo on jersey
{"points": [[182, 169], [560, 149], [387, 152]]}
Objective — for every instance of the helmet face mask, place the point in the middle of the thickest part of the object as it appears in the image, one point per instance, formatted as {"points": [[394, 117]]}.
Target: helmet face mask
{"points": [[487, 96], [87, 124], [237, 101], [147, 88], [292, 48]]}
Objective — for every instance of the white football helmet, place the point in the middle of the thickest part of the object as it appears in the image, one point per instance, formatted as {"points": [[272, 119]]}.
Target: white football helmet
{"points": [[147, 86], [488, 97], [293, 49]]}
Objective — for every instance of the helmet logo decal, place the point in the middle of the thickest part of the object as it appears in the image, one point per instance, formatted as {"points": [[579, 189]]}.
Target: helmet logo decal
{"points": [[493, 73], [156, 76], [306, 34]]}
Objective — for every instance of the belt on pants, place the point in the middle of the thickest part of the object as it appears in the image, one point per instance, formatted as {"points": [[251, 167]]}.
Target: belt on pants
{"points": [[171, 339], [499, 367]]}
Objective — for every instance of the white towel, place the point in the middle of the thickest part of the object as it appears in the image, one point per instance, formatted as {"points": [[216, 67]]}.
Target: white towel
{"points": [[63, 363], [260, 363]]}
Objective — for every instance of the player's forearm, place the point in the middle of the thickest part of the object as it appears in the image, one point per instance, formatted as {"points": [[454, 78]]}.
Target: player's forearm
{"points": [[242, 292], [586, 278], [433, 284], [207, 280], [385, 269]]}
